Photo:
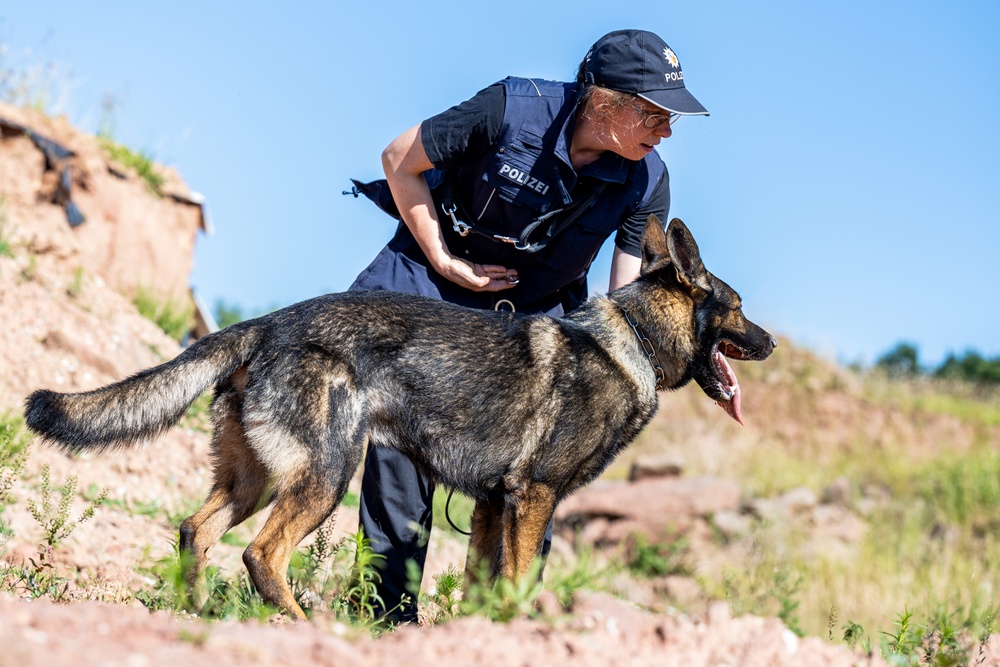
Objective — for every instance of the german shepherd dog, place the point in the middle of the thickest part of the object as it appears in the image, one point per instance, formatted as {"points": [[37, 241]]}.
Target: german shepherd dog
{"points": [[515, 411]]}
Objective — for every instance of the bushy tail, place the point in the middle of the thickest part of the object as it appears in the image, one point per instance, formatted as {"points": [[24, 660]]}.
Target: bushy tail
{"points": [[143, 405]]}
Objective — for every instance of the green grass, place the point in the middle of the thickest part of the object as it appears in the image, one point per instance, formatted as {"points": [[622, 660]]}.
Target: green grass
{"points": [[139, 162], [6, 246], [174, 317]]}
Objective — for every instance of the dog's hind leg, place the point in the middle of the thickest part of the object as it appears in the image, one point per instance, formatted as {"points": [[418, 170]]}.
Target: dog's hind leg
{"points": [[298, 510], [238, 489]]}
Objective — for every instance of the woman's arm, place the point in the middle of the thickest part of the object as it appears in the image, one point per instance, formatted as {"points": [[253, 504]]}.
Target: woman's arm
{"points": [[404, 161], [624, 269]]}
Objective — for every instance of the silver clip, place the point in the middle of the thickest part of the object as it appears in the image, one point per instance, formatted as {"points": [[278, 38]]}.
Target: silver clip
{"points": [[517, 243], [456, 224], [502, 302]]}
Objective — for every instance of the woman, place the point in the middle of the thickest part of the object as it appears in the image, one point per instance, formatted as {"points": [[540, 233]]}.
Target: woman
{"points": [[505, 200]]}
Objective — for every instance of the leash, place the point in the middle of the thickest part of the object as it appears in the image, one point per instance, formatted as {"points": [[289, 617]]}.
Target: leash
{"points": [[499, 307], [647, 347], [449, 206], [448, 516]]}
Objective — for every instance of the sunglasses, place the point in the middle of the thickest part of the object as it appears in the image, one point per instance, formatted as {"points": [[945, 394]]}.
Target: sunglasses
{"points": [[652, 119]]}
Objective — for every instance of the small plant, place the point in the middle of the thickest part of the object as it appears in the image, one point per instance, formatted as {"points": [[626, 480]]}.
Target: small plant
{"points": [[30, 271], [175, 318], [947, 640], [584, 573], [6, 247], [14, 447], [504, 599], [360, 599], [654, 559], [444, 598], [75, 288], [854, 634], [40, 579], [307, 574], [56, 524]]}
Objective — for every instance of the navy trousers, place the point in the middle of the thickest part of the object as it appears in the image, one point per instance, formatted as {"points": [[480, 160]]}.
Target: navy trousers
{"points": [[396, 499], [396, 514]]}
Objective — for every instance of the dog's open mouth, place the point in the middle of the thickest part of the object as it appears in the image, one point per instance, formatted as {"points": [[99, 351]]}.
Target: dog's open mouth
{"points": [[729, 386]]}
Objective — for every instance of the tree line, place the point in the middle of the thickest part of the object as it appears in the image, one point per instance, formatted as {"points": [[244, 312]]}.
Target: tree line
{"points": [[904, 361]]}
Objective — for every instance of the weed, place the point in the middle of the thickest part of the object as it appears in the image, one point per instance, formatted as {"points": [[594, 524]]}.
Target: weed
{"points": [[175, 318], [6, 246], [658, 559], [584, 573], [854, 634], [504, 599], [444, 598], [946, 639], [765, 587], [15, 443], [75, 288], [30, 271], [38, 580], [56, 524], [307, 574], [360, 599]]}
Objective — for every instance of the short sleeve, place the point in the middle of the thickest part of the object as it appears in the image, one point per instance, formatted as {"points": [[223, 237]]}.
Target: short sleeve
{"points": [[629, 237], [464, 132]]}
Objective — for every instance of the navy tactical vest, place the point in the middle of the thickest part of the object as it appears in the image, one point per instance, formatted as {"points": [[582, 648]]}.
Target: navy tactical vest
{"points": [[528, 174]]}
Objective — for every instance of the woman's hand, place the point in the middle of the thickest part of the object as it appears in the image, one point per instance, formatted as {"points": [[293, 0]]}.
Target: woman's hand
{"points": [[404, 161], [477, 277]]}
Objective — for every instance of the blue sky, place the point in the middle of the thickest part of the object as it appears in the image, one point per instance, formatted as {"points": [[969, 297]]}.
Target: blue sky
{"points": [[846, 183]]}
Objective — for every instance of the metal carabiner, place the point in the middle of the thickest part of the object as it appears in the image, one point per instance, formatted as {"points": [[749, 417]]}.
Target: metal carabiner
{"points": [[456, 224], [501, 302]]}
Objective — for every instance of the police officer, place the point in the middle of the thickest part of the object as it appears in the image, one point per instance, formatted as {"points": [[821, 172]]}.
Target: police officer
{"points": [[509, 196]]}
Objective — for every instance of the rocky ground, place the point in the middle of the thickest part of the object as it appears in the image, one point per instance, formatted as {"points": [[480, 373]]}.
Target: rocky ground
{"points": [[69, 324]]}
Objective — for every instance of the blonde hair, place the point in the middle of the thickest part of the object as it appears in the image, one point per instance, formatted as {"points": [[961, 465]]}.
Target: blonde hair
{"points": [[606, 107], [602, 105]]}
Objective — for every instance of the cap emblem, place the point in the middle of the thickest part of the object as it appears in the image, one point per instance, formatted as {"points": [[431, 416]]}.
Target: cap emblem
{"points": [[671, 57]]}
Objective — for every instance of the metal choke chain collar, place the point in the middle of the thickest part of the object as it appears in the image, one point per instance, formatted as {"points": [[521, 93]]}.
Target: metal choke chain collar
{"points": [[647, 347]]}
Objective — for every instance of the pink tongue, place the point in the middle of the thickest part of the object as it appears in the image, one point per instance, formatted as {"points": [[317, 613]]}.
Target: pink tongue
{"points": [[732, 406]]}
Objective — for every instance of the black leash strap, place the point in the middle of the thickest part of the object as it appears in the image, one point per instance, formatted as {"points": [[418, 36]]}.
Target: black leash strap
{"points": [[522, 242], [448, 516]]}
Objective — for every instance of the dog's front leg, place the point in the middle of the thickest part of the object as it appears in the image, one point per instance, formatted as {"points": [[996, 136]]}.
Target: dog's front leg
{"points": [[483, 561], [525, 518]]}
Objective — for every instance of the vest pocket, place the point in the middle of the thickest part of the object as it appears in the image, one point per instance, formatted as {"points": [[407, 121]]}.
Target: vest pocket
{"points": [[517, 173]]}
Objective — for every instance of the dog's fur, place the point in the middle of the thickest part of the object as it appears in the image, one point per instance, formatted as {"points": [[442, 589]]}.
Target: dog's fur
{"points": [[516, 411]]}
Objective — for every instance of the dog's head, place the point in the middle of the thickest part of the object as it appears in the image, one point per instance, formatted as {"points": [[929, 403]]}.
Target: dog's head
{"points": [[718, 327]]}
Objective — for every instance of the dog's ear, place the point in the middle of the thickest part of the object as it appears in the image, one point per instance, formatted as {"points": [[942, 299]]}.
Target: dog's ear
{"points": [[654, 245], [686, 259]]}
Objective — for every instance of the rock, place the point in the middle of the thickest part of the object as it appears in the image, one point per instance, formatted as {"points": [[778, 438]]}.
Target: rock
{"points": [[665, 465], [798, 501], [656, 508], [839, 492], [731, 524]]}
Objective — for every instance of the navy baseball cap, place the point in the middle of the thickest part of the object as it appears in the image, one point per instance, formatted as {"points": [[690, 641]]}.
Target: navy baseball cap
{"points": [[640, 63]]}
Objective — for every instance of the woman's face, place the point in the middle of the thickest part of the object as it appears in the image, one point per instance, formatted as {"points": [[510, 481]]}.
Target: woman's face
{"points": [[624, 131], [627, 134]]}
